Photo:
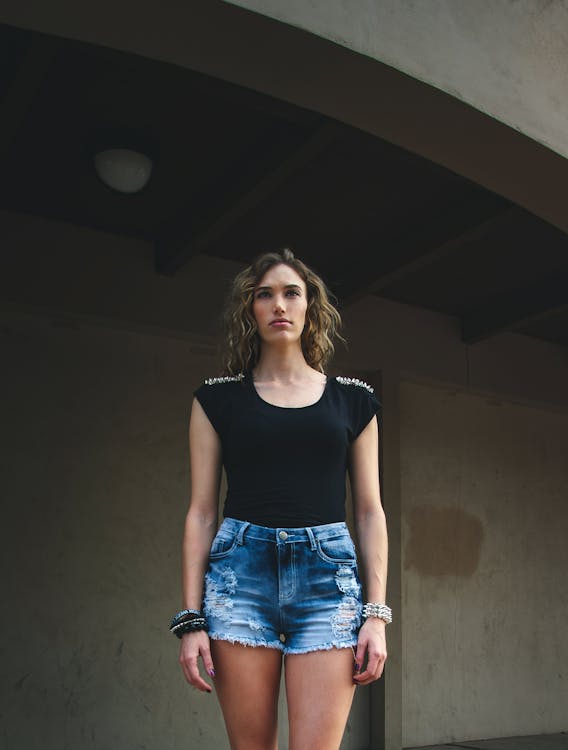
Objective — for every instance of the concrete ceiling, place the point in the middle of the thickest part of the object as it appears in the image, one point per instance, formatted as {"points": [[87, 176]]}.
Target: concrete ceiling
{"points": [[237, 172]]}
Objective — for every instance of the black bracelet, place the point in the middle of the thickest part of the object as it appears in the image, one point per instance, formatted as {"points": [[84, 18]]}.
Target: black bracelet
{"points": [[185, 614], [188, 621], [189, 626]]}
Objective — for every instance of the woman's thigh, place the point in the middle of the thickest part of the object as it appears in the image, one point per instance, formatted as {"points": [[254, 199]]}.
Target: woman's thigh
{"points": [[247, 681], [320, 690]]}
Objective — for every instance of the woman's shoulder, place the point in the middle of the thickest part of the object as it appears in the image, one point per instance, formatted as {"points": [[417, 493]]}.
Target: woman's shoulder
{"points": [[217, 389], [361, 402], [216, 394], [353, 383]]}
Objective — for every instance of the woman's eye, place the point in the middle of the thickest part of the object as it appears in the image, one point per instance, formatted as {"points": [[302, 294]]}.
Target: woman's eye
{"points": [[289, 293]]}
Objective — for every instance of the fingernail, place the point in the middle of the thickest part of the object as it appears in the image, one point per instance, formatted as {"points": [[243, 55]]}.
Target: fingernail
{"points": [[211, 672]]}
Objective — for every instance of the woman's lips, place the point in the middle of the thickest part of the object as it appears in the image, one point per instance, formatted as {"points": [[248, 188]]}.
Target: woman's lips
{"points": [[280, 323]]}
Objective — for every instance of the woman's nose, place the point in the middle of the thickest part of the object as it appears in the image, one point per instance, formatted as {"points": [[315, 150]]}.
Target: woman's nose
{"points": [[278, 304]]}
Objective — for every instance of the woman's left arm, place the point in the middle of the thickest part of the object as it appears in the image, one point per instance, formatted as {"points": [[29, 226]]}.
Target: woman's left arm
{"points": [[371, 529]]}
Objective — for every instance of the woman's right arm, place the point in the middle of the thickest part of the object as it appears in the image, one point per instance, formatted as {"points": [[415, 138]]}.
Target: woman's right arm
{"points": [[200, 528]]}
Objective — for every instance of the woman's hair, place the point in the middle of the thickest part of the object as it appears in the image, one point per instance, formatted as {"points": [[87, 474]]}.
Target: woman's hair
{"points": [[242, 340]]}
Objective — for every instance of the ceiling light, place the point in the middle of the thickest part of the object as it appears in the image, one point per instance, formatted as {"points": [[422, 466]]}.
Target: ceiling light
{"points": [[123, 170]]}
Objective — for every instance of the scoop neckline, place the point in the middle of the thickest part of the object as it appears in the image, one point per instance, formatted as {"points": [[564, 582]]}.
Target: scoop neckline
{"points": [[250, 381]]}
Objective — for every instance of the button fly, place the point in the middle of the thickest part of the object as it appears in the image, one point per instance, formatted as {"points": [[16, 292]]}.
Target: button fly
{"points": [[283, 535], [282, 638]]}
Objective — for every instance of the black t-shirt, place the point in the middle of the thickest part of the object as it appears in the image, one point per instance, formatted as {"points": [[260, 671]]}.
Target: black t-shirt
{"points": [[286, 466]]}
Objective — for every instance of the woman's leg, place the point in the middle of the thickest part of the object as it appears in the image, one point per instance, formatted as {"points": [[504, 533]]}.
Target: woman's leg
{"points": [[247, 680], [320, 690]]}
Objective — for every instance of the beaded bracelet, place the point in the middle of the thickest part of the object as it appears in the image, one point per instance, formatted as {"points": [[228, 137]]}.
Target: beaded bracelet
{"points": [[189, 626], [372, 609], [188, 621], [182, 614]]}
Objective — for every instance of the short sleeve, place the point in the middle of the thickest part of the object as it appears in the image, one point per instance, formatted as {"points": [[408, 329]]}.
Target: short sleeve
{"points": [[211, 399], [364, 407]]}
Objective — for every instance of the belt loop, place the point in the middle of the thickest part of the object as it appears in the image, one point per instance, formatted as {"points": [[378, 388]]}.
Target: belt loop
{"points": [[241, 533], [310, 534]]}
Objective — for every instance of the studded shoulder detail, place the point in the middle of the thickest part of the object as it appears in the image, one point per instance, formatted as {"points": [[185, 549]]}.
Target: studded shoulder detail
{"points": [[225, 379], [354, 381]]}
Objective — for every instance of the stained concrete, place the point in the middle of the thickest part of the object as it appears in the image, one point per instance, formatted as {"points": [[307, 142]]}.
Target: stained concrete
{"points": [[427, 550], [485, 512]]}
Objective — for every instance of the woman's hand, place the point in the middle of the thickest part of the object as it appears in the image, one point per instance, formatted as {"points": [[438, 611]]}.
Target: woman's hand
{"points": [[371, 643], [194, 645]]}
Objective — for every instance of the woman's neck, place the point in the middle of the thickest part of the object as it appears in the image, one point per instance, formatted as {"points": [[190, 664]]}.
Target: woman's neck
{"points": [[283, 365]]}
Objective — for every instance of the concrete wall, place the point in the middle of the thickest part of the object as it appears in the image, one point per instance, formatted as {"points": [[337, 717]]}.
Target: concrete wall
{"points": [[484, 497], [507, 59], [94, 487], [97, 381]]}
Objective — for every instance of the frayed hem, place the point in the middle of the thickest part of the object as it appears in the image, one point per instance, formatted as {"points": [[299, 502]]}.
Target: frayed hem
{"points": [[320, 647], [246, 641]]}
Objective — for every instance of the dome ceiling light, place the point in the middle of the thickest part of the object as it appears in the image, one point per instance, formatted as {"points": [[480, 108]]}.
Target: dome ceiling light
{"points": [[123, 169]]}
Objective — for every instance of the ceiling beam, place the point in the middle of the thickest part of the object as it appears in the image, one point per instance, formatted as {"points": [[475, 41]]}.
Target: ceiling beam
{"points": [[242, 97], [515, 309], [253, 177], [20, 95], [461, 223], [211, 87]]}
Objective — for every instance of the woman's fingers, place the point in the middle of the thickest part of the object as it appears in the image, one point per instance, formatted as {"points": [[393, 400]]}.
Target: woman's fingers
{"points": [[371, 644], [374, 669], [191, 674], [360, 654], [192, 646], [207, 660]]}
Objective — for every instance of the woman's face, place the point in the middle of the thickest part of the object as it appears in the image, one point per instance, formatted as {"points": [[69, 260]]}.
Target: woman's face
{"points": [[279, 305]]}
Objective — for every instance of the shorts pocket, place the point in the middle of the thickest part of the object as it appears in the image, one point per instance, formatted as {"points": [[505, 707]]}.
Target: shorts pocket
{"points": [[223, 544], [337, 550]]}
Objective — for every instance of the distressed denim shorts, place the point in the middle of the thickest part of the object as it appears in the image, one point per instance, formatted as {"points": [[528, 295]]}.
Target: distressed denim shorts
{"points": [[293, 589]]}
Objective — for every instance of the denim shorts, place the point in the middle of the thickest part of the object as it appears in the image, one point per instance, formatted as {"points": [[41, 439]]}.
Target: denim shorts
{"points": [[293, 589]]}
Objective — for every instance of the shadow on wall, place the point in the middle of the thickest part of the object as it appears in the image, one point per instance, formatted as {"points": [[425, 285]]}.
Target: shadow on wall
{"points": [[443, 541]]}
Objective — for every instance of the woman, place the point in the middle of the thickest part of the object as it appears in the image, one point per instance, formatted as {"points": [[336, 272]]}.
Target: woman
{"points": [[280, 577]]}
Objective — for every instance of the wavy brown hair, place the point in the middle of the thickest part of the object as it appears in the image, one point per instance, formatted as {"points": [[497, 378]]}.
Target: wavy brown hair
{"points": [[242, 340]]}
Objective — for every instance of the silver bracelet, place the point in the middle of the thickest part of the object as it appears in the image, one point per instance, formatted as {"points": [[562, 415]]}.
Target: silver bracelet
{"points": [[372, 609]]}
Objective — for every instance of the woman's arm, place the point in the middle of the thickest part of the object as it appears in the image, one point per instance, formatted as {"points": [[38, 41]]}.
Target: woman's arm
{"points": [[371, 529], [200, 528]]}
